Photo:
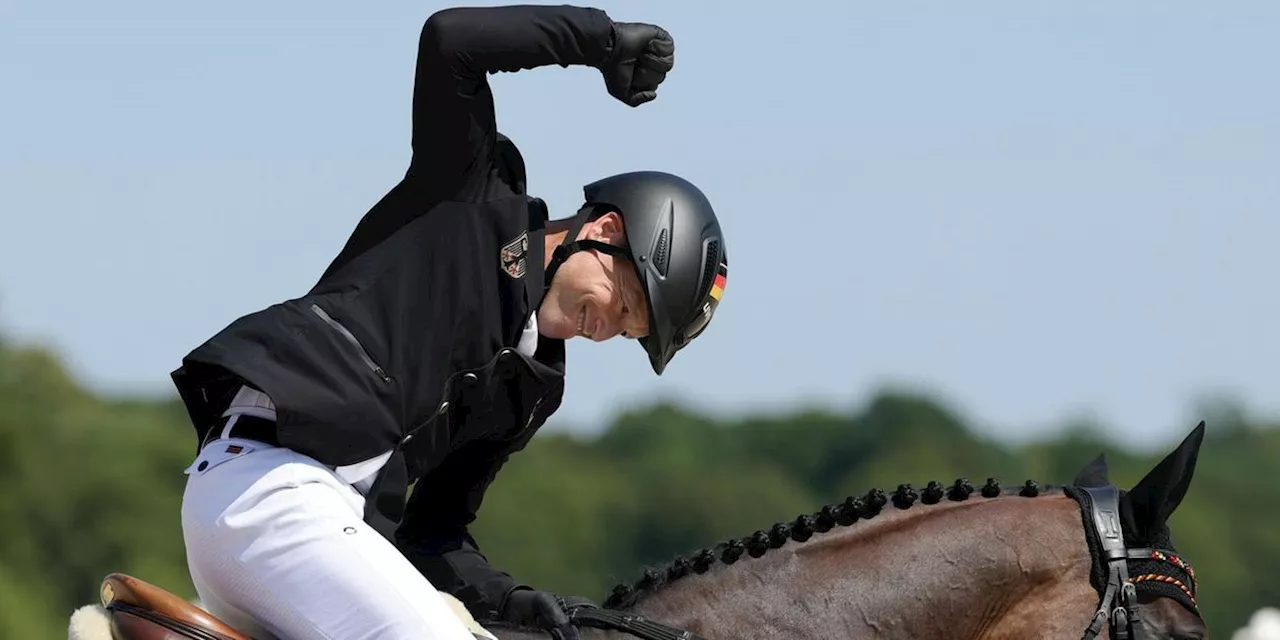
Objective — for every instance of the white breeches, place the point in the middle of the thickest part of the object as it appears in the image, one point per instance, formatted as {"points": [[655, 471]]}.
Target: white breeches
{"points": [[277, 548]]}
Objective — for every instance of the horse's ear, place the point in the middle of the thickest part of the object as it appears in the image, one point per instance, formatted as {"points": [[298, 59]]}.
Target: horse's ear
{"points": [[1157, 495], [1093, 474]]}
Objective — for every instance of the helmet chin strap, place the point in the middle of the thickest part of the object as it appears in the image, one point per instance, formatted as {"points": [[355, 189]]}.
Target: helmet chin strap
{"points": [[572, 245]]}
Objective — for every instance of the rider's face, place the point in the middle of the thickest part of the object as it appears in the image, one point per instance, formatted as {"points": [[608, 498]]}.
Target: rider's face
{"points": [[593, 294]]}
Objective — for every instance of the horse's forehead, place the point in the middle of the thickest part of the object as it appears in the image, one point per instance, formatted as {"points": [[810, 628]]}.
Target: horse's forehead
{"points": [[1168, 616]]}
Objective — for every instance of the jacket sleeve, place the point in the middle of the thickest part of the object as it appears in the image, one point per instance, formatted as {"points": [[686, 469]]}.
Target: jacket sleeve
{"points": [[455, 135], [454, 131], [433, 534]]}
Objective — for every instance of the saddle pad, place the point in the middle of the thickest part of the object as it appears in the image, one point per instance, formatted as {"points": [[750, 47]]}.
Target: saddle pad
{"points": [[467, 619]]}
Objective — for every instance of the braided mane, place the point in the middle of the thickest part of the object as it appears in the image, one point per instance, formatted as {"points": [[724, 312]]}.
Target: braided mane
{"points": [[802, 528]]}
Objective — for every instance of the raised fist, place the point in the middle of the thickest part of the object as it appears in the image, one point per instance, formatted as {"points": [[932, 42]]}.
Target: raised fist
{"points": [[641, 57]]}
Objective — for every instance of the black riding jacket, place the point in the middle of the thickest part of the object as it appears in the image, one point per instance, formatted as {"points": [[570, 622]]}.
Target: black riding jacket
{"points": [[407, 342]]}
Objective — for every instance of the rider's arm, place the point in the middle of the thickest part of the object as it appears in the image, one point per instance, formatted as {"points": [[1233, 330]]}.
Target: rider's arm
{"points": [[454, 131], [433, 534]]}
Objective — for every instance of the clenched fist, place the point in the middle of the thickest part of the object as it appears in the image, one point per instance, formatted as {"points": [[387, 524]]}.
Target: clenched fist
{"points": [[641, 57], [539, 610]]}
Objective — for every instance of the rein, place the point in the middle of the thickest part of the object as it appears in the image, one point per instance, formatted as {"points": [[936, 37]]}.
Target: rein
{"points": [[584, 613], [1119, 605]]}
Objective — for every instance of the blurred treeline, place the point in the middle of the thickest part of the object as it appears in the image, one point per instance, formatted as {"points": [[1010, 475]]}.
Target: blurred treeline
{"points": [[92, 485]]}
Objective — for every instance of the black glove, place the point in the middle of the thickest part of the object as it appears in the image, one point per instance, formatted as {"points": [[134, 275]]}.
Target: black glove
{"points": [[641, 57], [539, 610]]}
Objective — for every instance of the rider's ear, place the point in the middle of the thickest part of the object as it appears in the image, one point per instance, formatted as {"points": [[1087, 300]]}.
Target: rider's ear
{"points": [[1157, 495], [609, 228]]}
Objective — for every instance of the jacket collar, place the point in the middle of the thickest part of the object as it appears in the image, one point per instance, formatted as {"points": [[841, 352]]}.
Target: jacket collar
{"points": [[550, 351]]}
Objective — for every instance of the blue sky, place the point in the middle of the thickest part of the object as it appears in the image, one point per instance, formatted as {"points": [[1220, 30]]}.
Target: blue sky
{"points": [[1037, 210]]}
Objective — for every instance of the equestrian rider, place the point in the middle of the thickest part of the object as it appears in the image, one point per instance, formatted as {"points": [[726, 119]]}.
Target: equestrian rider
{"points": [[430, 350]]}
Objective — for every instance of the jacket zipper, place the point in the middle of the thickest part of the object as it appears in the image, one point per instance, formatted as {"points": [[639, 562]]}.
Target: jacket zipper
{"points": [[364, 355]]}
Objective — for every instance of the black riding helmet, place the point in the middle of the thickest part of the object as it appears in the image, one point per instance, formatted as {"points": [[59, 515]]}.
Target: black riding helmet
{"points": [[674, 242]]}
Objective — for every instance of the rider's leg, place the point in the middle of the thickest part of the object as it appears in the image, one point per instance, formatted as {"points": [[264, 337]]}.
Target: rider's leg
{"points": [[276, 540]]}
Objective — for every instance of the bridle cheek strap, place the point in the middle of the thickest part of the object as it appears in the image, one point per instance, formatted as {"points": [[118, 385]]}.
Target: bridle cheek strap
{"points": [[1119, 604]]}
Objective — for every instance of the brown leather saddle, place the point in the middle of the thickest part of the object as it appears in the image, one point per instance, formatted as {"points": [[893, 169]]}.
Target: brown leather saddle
{"points": [[139, 610]]}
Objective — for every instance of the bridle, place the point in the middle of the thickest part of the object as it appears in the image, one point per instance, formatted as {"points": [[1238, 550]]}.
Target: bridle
{"points": [[1119, 605]]}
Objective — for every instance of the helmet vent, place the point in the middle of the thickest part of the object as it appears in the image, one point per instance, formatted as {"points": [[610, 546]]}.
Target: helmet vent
{"points": [[662, 253], [709, 267]]}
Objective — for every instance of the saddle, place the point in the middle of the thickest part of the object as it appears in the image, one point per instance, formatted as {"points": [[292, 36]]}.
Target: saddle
{"points": [[138, 610]]}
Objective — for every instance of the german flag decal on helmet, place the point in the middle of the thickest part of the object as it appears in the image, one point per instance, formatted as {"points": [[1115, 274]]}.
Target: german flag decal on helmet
{"points": [[709, 304], [717, 285]]}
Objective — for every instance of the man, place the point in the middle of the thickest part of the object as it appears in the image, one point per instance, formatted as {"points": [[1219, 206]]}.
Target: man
{"points": [[430, 350]]}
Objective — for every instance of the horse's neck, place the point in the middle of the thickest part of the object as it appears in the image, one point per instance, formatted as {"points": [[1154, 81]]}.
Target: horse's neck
{"points": [[953, 570]]}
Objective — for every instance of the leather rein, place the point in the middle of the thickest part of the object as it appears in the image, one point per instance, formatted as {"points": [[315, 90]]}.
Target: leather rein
{"points": [[584, 613]]}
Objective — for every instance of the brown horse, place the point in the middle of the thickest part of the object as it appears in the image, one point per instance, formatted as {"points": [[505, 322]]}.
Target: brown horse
{"points": [[1081, 560]]}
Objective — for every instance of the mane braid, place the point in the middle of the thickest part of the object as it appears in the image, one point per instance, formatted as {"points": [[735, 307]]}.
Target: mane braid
{"points": [[842, 514]]}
